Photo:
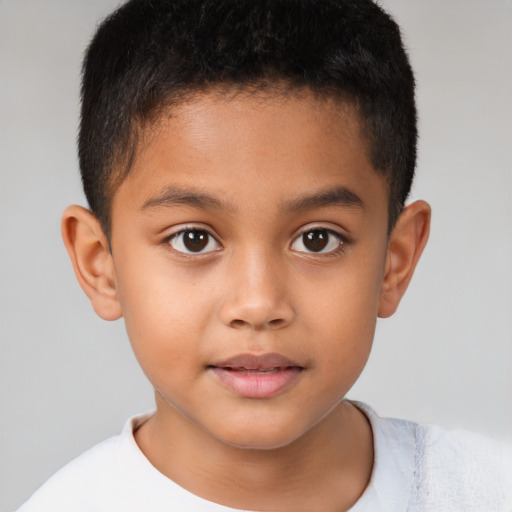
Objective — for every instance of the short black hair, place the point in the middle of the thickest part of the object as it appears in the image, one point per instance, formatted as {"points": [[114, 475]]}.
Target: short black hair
{"points": [[150, 53]]}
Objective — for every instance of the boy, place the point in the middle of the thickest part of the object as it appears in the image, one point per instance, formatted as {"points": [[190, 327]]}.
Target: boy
{"points": [[247, 165]]}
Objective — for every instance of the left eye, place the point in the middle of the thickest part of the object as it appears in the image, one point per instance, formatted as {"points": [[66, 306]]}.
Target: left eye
{"points": [[317, 241], [193, 241]]}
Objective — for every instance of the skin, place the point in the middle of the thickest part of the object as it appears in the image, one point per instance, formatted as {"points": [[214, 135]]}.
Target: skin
{"points": [[255, 289]]}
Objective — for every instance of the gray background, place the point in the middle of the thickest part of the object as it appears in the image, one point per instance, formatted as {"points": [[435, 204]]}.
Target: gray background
{"points": [[69, 380]]}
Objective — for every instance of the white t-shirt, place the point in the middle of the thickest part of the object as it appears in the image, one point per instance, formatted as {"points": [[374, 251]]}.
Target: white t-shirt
{"points": [[417, 468]]}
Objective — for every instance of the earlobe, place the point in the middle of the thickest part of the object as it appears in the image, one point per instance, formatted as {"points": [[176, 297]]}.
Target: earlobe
{"points": [[406, 243], [89, 252]]}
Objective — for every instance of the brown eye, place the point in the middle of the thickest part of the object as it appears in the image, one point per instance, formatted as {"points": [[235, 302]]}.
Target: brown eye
{"points": [[194, 241], [317, 241]]}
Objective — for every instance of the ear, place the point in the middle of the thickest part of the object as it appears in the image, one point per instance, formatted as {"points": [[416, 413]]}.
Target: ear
{"points": [[405, 245], [90, 255]]}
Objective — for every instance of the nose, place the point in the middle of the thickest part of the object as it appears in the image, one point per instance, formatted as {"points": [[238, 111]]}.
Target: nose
{"points": [[256, 295]]}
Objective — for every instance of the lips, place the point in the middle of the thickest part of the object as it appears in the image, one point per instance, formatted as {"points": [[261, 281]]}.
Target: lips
{"points": [[257, 376]]}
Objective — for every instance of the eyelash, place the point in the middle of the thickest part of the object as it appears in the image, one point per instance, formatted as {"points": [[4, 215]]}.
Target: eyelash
{"points": [[191, 229], [342, 242]]}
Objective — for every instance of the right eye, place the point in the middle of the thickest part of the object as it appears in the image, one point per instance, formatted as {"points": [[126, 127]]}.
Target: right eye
{"points": [[193, 241]]}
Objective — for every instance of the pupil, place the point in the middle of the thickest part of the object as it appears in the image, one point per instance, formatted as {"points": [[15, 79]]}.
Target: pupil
{"points": [[315, 240], [195, 240]]}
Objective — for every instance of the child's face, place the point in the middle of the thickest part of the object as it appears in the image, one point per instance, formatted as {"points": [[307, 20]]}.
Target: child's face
{"points": [[249, 244]]}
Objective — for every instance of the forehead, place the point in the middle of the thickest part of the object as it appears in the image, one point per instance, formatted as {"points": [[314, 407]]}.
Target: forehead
{"points": [[254, 148], [255, 119]]}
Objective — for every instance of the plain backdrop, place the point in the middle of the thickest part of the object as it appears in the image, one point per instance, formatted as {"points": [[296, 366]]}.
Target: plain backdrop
{"points": [[69, 380]]}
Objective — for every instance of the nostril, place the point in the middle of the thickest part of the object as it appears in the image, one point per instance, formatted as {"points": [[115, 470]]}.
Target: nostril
{"points": [[238, 324]]}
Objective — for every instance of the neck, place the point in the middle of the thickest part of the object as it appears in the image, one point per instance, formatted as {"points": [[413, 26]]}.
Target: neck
{"points": [[327, 468]]}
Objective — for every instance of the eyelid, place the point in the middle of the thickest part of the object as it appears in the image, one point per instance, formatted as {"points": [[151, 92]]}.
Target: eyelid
{"points": [[325, 226], [343, 239], [183, 228]]}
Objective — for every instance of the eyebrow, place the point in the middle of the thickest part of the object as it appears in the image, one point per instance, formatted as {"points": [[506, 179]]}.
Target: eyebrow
{"points": [[174, 196], [338, 196]]}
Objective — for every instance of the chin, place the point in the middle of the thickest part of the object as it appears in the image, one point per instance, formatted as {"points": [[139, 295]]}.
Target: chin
{"points": [[258, 437], [258, 443]]}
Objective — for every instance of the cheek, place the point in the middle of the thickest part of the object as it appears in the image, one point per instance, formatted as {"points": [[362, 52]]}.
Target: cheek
{"points": [[345, 301], [342, 315], [161, 311]]}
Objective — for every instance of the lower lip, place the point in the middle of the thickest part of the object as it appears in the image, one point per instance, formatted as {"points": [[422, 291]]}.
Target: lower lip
{"points": [[253, 384]]}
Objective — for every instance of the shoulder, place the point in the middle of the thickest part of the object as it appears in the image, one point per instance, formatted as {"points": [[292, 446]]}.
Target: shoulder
{"points": [[83, 482], [392, 478], [114, 475], [461, 470], [425, 468]]}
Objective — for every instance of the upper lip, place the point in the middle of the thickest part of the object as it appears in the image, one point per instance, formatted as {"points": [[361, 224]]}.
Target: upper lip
{"points": [[256, 362]]}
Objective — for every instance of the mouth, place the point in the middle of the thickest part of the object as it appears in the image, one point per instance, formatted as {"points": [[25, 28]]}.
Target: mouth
{"points": [[257, 376]]}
